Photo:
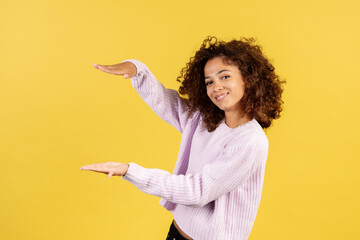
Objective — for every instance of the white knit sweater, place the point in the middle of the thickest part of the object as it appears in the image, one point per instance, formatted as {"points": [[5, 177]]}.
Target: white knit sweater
{"points": [[215, 189]]}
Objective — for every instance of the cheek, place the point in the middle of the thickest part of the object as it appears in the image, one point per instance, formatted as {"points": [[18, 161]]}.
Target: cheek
{"points": [[241, 92], [240, 88], [208, 93]]}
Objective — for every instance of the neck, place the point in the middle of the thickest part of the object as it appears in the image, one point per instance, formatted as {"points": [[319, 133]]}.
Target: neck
{"points": [[235, 119]]}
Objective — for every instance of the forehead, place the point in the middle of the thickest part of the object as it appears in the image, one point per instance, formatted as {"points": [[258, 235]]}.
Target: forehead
{"points": [[216, 64]]}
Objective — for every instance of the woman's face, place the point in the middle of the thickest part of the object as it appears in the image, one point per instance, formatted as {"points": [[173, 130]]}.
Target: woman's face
{"points": [[224, 84]]}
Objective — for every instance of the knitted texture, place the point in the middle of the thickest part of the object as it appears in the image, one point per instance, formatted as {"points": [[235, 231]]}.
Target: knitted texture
{"points": [[215, 189]]}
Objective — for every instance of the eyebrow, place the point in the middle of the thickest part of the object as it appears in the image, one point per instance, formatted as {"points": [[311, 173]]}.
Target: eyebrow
{"points": [[218, 73]]}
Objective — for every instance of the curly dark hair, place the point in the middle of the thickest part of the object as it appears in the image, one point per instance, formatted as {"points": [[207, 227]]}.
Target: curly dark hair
{"points": [[262, 94]]}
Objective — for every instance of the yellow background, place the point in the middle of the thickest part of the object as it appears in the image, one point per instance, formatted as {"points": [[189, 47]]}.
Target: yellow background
{"points": [[58, 113]]}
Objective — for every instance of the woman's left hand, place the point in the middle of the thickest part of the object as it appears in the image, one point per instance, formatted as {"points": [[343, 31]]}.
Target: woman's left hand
{"points": [[110, 168]]}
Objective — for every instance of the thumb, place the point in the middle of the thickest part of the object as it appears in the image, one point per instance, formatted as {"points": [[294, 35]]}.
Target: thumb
{"points": [[110, 174]]}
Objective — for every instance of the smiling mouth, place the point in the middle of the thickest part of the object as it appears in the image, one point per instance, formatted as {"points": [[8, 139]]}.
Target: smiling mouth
{"points": [[221, 97]]}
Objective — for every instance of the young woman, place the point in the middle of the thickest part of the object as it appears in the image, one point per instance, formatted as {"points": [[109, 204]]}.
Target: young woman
{"points": [[232, 94]]}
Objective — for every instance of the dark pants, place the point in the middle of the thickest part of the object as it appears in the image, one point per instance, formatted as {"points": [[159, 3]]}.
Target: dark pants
{"points": [[174, 234]]}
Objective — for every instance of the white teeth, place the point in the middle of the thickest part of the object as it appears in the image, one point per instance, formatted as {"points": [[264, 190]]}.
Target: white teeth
{"points": [[221, 97]]}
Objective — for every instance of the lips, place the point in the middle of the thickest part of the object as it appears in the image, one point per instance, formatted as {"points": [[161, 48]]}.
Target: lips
{"points": [[221, 96]]}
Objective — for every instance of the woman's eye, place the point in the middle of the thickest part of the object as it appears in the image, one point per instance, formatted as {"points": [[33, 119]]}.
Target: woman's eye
{"points": [[208, 83], [225, 77]]}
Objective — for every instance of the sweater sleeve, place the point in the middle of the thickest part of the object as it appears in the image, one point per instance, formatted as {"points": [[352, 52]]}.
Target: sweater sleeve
{"points": [[166, 103], [233, 167]]}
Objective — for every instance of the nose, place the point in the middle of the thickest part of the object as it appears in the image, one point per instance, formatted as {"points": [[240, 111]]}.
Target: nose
{"points": [[217, 86]]}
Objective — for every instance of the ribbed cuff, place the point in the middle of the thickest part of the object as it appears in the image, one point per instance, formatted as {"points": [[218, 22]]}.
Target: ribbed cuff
{"points": [[135, 173], [139, 65]]}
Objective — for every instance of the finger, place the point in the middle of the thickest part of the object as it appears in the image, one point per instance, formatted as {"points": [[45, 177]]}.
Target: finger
{"points": [[98, 171], [110, 174], [86, 167], [95, 167], [108, 67], [112, 67], [97, 65], [104, 69], [110, 70]]}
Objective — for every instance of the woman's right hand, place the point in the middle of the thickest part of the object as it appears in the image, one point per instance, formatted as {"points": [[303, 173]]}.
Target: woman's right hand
{"points": [[127, 69]]}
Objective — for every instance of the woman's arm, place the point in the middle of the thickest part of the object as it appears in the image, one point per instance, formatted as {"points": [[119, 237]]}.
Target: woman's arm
{"points": [[233, 167], [166, 103]]}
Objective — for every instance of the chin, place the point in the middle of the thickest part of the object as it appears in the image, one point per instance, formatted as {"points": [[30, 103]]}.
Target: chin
{"points": [[218, 106]]}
